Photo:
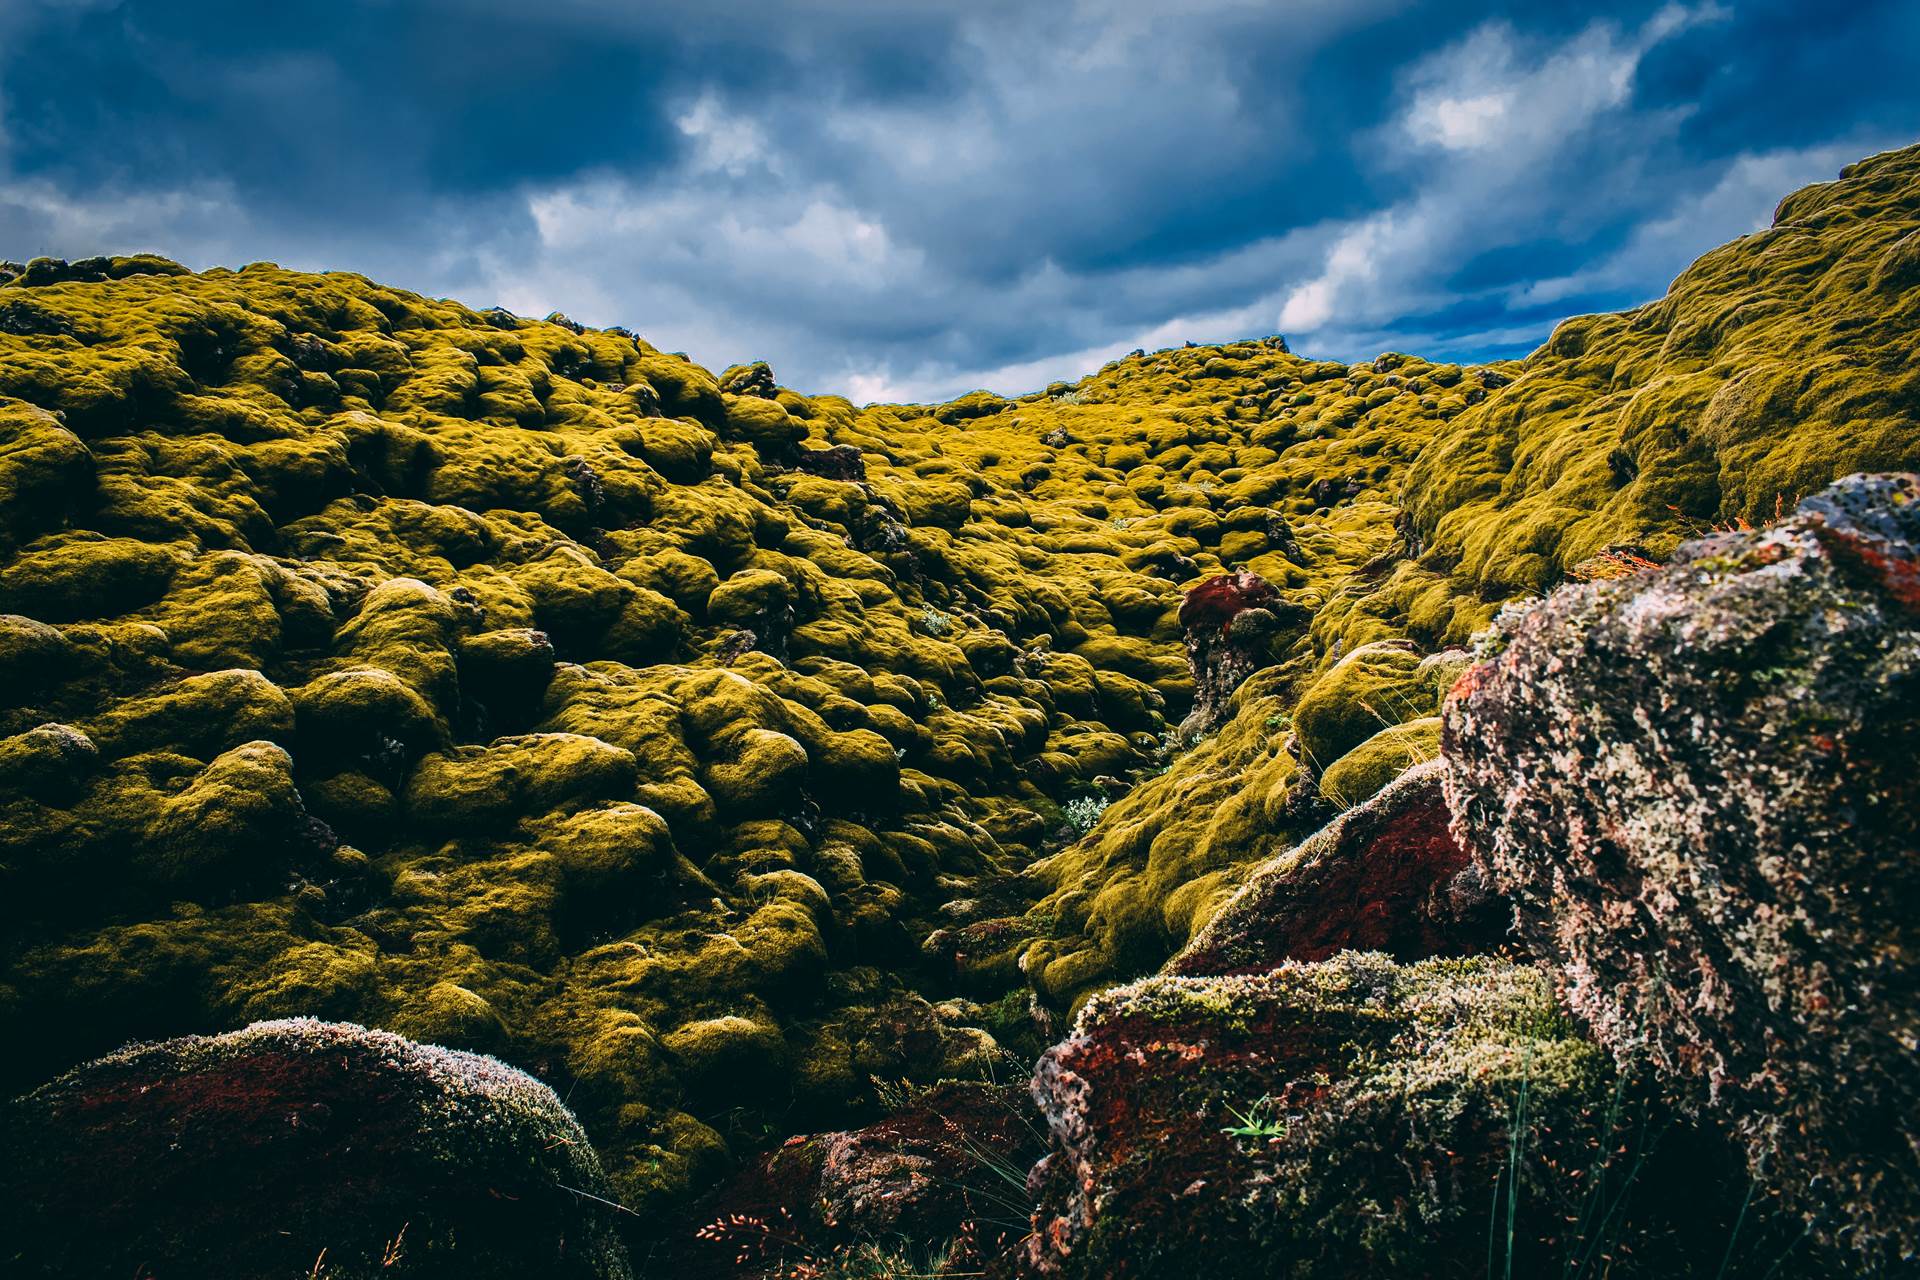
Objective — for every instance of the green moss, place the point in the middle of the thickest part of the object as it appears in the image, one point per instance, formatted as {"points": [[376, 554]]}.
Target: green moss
{"points": [[474, 787], [1376, 686], [497, 568], [69, 577], [1360, 773], [200, 716]]}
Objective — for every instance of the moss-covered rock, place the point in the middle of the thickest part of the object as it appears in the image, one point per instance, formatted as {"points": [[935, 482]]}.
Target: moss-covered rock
{"points": [[289, 1147], [473, 787], [1357, 1117], [66, 578], [1697, 785]]}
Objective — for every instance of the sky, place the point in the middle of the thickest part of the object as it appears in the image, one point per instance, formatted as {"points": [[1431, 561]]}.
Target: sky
{"points": [[909, 199]]}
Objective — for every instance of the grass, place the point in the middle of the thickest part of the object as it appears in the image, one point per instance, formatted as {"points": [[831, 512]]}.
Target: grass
{"points": [[1603, 1227], [1259, 1121]]}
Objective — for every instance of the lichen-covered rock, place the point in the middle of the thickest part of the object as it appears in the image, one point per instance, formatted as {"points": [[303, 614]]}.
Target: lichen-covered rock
{"points": [[1697, 786], [1385, 876], [943, 1163], [48, 762], [1356, 1117], [301, 1147], [1231, 624]]}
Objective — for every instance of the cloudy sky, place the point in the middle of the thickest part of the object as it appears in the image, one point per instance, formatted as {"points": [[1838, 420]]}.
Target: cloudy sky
{"points": [[912, 198]]}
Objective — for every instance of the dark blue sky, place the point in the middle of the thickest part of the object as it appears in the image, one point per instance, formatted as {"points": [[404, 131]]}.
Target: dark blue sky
{"points": [[914, 199]]}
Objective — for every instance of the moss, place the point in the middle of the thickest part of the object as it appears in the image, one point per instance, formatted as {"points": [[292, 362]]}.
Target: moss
{"points": [[473, 787], [356, 712], [1361, 772], [450, 1014], [48, 762], [499, 567], [765, 770], [750, 598], [605, 850], [200, 716], [44, 470], [728, 1053], [1377, 686], [242, 804], [32, 656], [66, 578], [764, 424]]}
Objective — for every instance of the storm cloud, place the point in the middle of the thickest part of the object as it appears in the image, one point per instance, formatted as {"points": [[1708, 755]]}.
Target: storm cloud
{"points": [[909, 201]]}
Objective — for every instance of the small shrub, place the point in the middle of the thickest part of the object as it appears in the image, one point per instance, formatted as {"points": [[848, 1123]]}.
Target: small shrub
{"points": [[1083, 812]]}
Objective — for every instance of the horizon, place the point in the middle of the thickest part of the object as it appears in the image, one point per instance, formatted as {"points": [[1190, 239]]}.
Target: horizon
{"points": [[907, 207]]}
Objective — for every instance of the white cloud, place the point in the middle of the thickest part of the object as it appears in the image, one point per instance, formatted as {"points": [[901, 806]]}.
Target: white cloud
{"points": [[722, 140], [1459, 124], [1504, 114], [1486, 92], [1066, 182], [38, 216]]}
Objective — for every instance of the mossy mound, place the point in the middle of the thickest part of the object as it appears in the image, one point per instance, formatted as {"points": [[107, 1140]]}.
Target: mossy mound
{"points": [[297, 1148], [351, 637]]}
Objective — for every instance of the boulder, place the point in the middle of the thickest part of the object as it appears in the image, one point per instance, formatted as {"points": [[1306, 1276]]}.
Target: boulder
{"points": [[754, 379], [1356, 1117], [1697, 785], [942, 1166], [1385, 876], [841, 462], [1230, 623], [302, 1148]]}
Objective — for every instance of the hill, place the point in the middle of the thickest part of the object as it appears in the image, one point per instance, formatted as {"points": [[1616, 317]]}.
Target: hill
{"points": [[708, 748]]}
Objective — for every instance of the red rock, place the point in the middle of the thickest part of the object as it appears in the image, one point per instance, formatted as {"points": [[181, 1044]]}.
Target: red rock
{"points": [[1386, 875]]}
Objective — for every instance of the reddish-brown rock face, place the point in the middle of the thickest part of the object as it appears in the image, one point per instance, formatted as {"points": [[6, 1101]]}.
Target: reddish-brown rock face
{"points": [[1384, 876], [1231, 623], [937, 1169], [1211, 605]]}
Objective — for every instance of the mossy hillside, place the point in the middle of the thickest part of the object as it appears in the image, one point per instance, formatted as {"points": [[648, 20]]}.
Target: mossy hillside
{"points": [[615, 713], [1773, 364], [1626, 430]]}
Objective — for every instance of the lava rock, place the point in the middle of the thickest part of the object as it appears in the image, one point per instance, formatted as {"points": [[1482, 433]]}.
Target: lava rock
{"points": [[935, 1169], [1353, 1118], [841, 462], [1697, 786], [1384, 876], [754, 379], [298, 1147], [1230, 622]]}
